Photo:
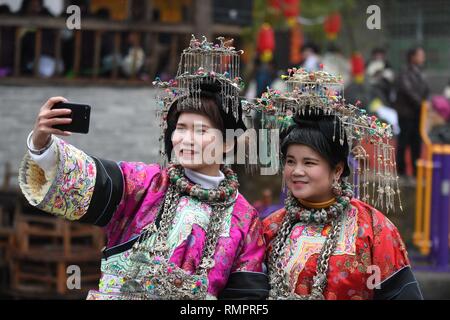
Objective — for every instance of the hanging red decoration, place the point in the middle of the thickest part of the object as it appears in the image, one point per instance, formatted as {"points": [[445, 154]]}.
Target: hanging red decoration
{"points": [[275, 4], [295, 54], [332, 25], [266, 42], [291, 10], [357, 62]]}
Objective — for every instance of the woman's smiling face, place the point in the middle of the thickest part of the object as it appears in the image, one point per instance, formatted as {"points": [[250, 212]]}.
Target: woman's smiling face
{"points": [[308, 175], [193, 142]]}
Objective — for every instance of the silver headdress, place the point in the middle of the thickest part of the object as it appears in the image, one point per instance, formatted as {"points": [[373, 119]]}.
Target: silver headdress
{"points": [[322, 93], [202, 63]]}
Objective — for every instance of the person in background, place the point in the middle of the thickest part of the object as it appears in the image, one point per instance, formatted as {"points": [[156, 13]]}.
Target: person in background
{"points": [[265, 201], [412, 91], [134, 59], [265, 73], [438, 122], [334, 62], [379, 54], [7, 45], [47, 63], [311, 57], [381, 87]]}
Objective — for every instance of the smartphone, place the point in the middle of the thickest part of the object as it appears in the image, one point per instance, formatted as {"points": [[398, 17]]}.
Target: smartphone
{"points": [[80, 115]]}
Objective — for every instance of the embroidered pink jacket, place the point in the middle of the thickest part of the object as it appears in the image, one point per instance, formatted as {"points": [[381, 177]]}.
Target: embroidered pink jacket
{"points": [[124, 197]]}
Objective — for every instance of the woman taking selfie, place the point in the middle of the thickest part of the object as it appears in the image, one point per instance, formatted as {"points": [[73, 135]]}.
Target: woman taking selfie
{"points": [[326, 243], [178, 232]]}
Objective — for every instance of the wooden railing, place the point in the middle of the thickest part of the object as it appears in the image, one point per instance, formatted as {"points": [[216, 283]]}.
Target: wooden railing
{"points": [[148, 34]]}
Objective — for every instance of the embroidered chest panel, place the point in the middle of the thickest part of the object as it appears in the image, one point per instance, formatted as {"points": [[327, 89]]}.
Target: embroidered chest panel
{"points": [[190, 212], [306, 240]]}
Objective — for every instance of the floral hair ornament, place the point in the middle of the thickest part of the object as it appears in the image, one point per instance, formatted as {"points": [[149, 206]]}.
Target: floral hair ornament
{"points": [[202, 63], [322, 94]]}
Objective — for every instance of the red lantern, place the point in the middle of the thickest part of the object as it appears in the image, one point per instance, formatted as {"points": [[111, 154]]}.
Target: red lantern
{"points": [[295, 54], [357, 63], [266, 42], [291, 8], [332, 25], [291, 11], [275, 4]]}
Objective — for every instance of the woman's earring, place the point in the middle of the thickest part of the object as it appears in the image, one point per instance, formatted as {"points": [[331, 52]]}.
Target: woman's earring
{"points": [[336, 187]]}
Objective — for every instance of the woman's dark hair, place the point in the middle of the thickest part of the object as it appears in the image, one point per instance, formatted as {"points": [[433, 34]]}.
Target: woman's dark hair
{"points": [[316, 131], [211, 107]]}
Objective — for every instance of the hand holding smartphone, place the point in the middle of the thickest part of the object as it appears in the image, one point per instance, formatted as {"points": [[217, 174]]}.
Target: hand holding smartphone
{"points": [[80, 116]]}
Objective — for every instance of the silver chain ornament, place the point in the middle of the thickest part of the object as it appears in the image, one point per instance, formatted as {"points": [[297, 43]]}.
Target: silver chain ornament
{"points": [[280, 287], [152, 276]]}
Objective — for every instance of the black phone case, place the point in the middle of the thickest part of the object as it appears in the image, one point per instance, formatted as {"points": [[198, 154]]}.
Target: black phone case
{"points": [[80, 117]]}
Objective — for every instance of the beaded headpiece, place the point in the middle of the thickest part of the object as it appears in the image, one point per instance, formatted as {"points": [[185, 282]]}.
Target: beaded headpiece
{"points": [[322, 93], [202, 63]]}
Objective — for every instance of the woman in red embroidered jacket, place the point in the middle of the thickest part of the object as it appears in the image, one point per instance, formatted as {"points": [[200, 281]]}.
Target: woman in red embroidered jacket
{"points": [[326, 244]]}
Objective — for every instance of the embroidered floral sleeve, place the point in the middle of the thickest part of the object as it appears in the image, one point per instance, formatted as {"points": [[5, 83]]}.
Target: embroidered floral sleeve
{"points": [[144, 186], [271, 224], [388, 250], [251, 256], [390, 257], [121, 196], [66, 190], [247, 279]]}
